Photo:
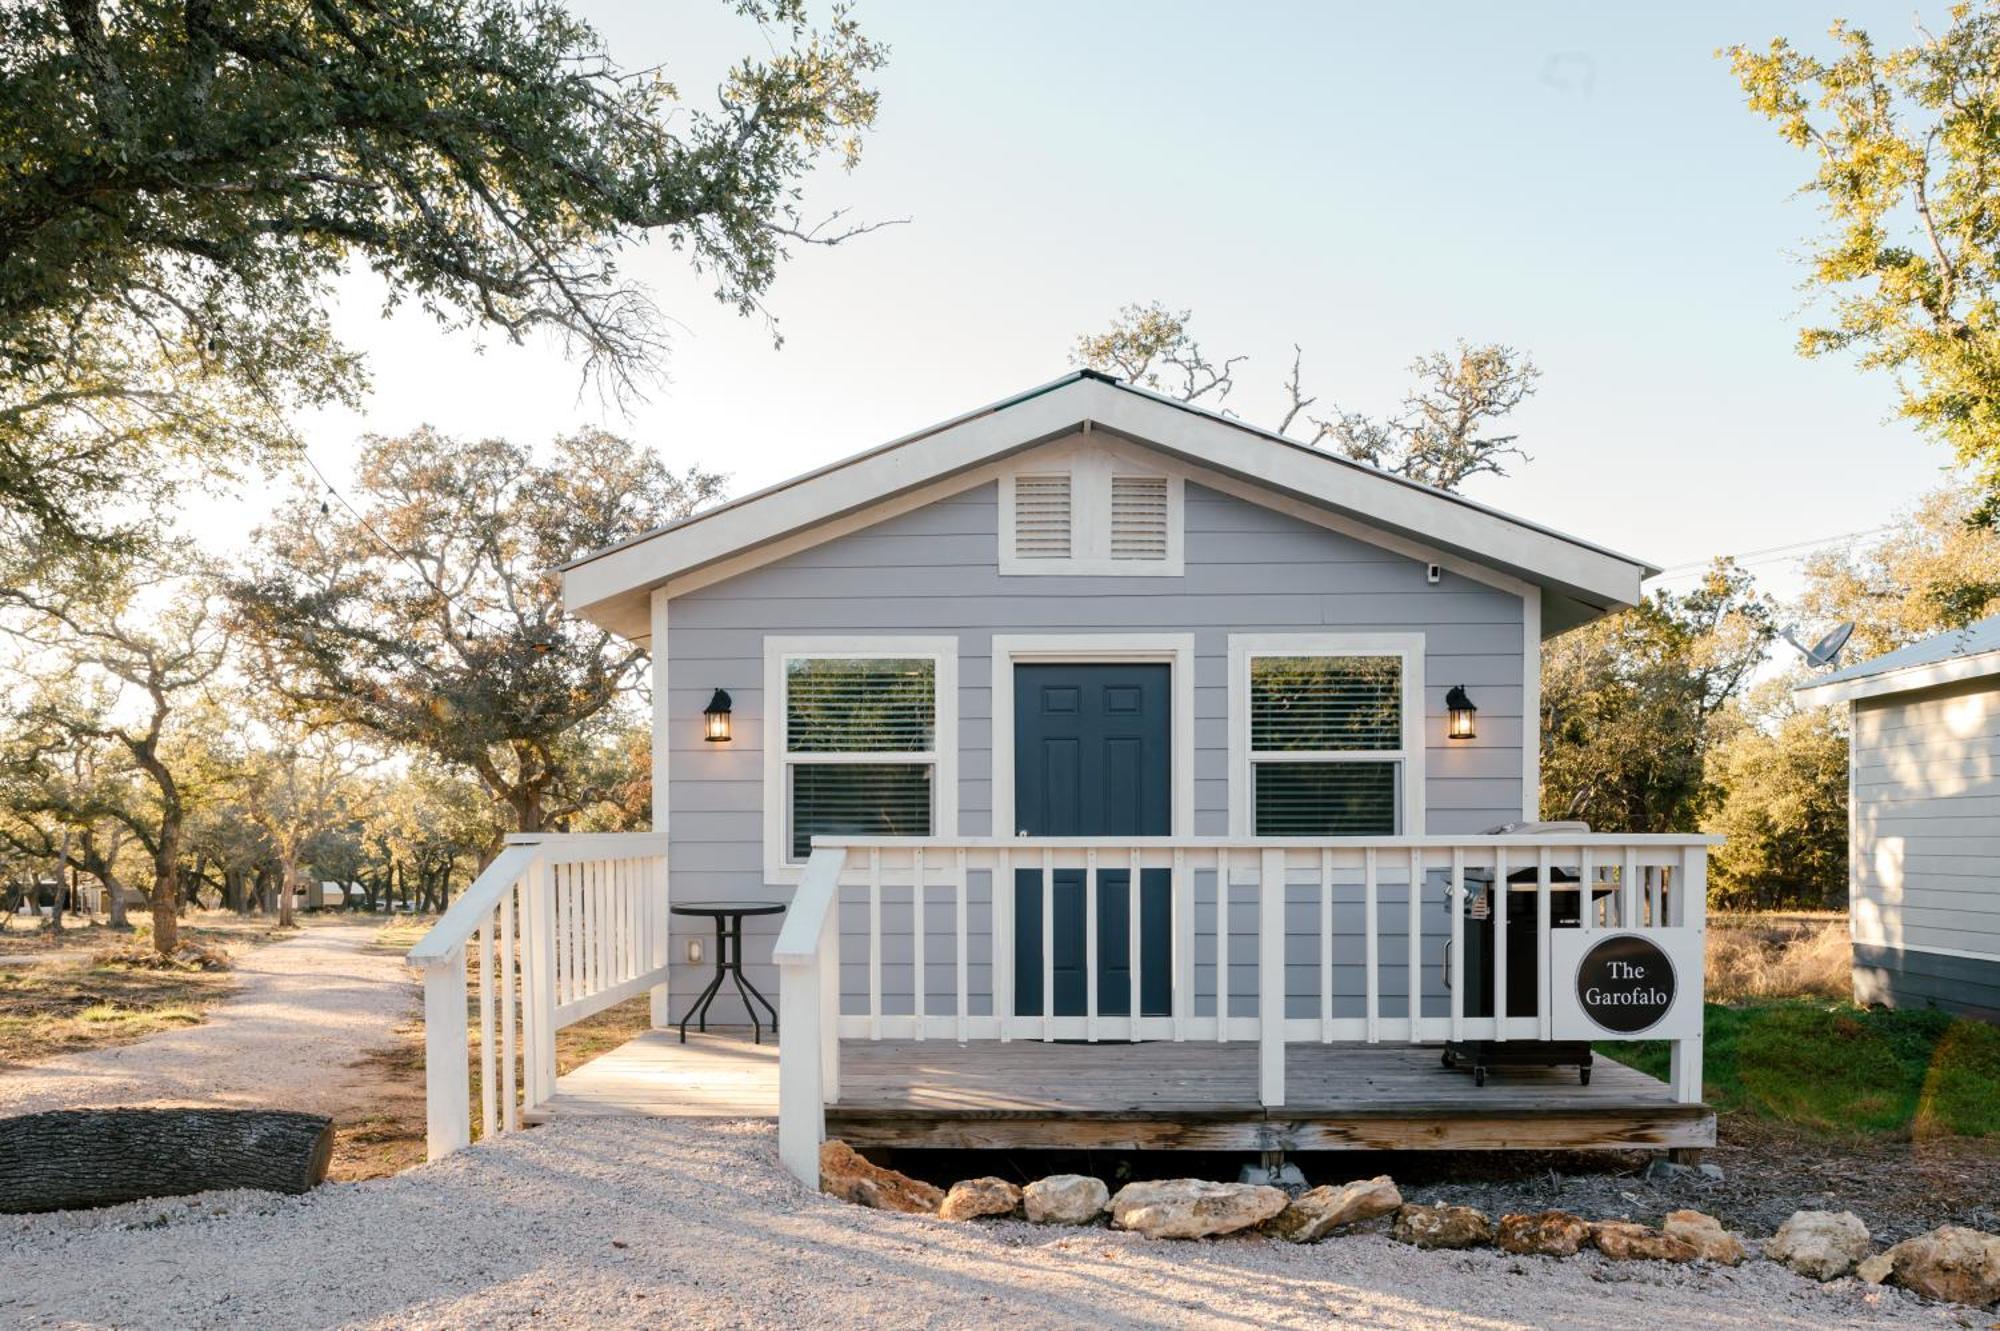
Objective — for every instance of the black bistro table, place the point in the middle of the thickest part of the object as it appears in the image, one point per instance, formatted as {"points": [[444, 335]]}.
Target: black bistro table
{"points": [[728, 917]]}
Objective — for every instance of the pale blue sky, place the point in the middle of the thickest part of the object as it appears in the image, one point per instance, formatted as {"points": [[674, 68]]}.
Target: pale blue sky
{"points": [[1581, 181]]}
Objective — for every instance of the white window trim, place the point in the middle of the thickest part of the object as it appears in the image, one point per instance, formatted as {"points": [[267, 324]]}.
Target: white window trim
{"points": [[944, 758], [1408, 646], [1090, 468], [1012, 649]]}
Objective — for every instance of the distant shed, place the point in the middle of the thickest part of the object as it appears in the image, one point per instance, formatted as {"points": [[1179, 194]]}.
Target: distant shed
{"points": [[1924, 820]]}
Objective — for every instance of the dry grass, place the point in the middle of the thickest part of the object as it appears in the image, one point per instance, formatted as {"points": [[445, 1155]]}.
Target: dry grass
{"points": [[391, 1139], [1778, 956], [402, 933], [64, 1006]]}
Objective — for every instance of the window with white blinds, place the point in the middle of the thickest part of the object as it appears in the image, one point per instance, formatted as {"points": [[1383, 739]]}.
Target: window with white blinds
{"points": [[857, 735], [1093, 512], [1328, 743], [860, 747]]}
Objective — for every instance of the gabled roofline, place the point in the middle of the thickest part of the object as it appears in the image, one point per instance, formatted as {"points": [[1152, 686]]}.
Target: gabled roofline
{"points": [[1906, 679], [1594, 578]]}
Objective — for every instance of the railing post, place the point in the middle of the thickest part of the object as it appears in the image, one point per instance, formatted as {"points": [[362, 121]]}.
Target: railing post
{"points": [[1685, 1076], [1271, 979], [447, 1099], [540, 928], [807, 955], [660, 919]]}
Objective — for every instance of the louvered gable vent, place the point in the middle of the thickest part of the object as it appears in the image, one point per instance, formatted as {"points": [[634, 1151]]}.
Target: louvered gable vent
{"points": [[1139, 517], [1042, 517]]}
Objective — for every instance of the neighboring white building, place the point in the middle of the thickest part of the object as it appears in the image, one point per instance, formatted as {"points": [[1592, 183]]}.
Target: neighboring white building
{"points": [[1924, 820]]}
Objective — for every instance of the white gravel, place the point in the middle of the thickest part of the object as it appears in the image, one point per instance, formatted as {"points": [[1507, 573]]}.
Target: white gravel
{"points": [[307, 1010], [691, 1223]]}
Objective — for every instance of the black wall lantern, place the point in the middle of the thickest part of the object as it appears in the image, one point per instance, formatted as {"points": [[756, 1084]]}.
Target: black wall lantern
{"points": [[715, 719], [1462, 724]]}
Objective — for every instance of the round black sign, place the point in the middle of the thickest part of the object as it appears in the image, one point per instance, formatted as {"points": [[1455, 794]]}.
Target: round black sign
{"points": [[1625, 984]]}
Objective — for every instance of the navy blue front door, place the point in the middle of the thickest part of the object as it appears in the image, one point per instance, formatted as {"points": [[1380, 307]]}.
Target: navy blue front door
{"points": [[1093, 748]]}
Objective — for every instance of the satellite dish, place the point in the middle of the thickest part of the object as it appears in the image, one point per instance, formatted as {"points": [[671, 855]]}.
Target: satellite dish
{"points": [[1827, 650]]}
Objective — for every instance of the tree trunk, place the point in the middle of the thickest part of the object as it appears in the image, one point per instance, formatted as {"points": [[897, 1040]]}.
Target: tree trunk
{"points": [[288, 890], [67, 1159], [116, 890]]}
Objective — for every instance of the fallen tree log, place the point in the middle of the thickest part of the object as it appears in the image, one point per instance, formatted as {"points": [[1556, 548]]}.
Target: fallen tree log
{"points": [[70, 1159]]}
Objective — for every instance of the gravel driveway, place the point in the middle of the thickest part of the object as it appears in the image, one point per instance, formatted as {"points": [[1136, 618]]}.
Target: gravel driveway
{"points": [[691, 1223], [307, 1010]]}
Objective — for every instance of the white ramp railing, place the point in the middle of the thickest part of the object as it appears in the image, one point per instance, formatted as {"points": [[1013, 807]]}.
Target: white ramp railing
{"points": [[557, 928], [1350, 930]]}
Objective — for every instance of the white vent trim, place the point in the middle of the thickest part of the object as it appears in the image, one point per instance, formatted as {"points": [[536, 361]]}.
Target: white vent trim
{"points": [[1091, 509]]}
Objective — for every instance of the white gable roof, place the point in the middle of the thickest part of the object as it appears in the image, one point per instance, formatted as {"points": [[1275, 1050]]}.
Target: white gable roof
{"points": [[1579, 581]]}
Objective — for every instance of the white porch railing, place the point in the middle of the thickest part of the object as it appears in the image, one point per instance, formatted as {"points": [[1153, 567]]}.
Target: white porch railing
{"points": [[1629, 883], [559, 928]]}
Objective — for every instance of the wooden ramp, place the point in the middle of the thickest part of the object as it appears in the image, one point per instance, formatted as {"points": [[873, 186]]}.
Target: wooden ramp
{"points": [[1115, 1096]]}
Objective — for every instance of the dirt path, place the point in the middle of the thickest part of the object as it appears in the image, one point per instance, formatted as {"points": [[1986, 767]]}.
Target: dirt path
{"points": [[618, 1222], [308, 1010]]}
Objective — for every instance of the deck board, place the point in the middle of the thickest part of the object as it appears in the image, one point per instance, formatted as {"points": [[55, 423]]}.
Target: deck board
{"points": [[1137, 1096]]}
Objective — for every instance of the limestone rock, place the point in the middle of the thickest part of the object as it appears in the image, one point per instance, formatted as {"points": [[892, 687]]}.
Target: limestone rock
{"points": [[971, 1198], [845, 1175], [1065, 1199], [1712, 1243], [1622, 1241], [1542, 1234], [1822, 1244], [1189, 1208], [1874, 1270], [1315, 1214], [1951, 1264], [1442, 1226]]}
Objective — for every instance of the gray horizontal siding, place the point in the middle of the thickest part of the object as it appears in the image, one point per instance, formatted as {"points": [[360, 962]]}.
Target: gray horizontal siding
{"points": [[1926, 823], [1894, 977], [934, 571]]}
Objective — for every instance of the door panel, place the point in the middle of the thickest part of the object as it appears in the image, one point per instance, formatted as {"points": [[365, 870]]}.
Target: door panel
{"points": [[1093, 756]]}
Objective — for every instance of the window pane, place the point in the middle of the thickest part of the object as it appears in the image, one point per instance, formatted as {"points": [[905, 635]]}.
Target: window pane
{"points": [[860, 706], [858, 799], [1326, 799], [1326, 703]]}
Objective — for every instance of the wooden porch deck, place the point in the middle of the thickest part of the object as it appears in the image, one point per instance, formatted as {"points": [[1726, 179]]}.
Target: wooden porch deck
{"points": [[1160, 1095]]}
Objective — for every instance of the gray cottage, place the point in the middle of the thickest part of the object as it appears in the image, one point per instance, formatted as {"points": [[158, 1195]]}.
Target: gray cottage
{"points": [[1117, 773], [1924, 820]]}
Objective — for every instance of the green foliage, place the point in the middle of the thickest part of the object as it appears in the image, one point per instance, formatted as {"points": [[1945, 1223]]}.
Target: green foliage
{"points": [[185, 182], [431, 618], [1906, 144], [1442, 437], [1632, 704], [1935, 569], [1838, 1068], [1782, 805]]}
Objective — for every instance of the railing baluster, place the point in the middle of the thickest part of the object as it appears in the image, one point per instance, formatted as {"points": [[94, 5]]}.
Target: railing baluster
{"points": [[1500, 893], [1628, 890], [1181, 917], [1271, 979], [964, 957], [1542, 926], [920, 978], [510, 1111], [488, 1092], [572, 931], [1002, 907], [1413, 983], [874, 942], [1135, 920], [1456, 976], [1371, 961], [1048, 945], [1221, 944], [1326, 945], [1090, 944], [1586, 901]]}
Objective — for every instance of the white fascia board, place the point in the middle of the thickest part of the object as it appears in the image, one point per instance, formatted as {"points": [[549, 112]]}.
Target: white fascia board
{"points": [[1907, 680], [1473, 531]]}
